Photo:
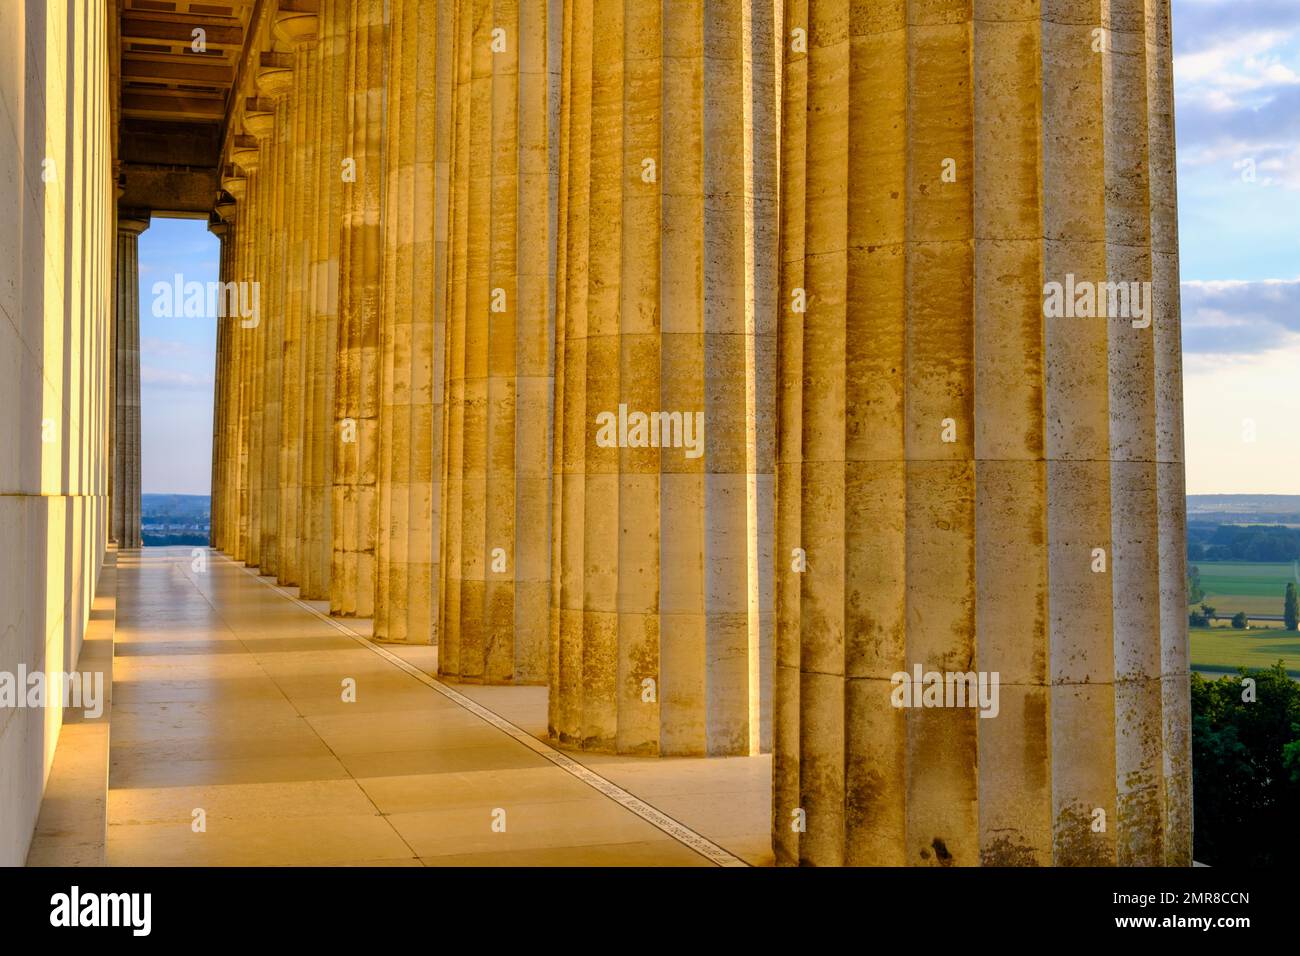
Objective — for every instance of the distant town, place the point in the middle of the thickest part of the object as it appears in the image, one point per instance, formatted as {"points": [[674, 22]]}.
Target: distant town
{"points": [[174, 519]]}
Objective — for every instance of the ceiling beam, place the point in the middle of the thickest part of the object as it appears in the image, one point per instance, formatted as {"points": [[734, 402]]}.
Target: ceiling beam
{"points": [[180, 68], [145, 30], [168, 189], [178, 104]]}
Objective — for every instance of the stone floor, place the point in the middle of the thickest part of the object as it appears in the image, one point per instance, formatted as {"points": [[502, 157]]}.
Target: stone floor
{"points": [[229, 720]]}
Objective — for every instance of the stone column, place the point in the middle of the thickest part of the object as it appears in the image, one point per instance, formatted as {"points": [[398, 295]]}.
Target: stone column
{"points": [[224, 516], [328, 133], [658, 600], [978, 485], [357, 379], [297, 31], [496, 518], [126, 379], [242, 189], [260, 122], [226, 418], [231, 491], [275, 80], [410, 413], [224, 231]]}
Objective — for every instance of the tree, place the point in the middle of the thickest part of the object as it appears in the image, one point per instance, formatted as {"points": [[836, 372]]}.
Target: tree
{"points": [[1194, 592], [1290, 608], [1246, 769], [1209, 612], [1239, 620]]}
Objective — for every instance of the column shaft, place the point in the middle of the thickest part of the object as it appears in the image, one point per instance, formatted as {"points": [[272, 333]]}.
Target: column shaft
{"points": [[357, 379], [272, 338], [126, 381], [664, 398], [263, 181], [250, 330], [501, 324], [224, 232], [412, 318], [298, 31], [328, 132]]}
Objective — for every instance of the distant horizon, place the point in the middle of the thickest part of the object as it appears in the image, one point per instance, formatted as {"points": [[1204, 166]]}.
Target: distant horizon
{"points": [[1242, 494], [1198, 494]]}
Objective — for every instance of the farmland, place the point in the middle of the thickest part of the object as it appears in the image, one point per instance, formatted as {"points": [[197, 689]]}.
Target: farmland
{"points": [[1225, 649], [1255, 588], [1232, 586]]}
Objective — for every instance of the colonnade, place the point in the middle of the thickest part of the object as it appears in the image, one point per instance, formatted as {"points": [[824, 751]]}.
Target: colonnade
{"points": [[693, 360]]}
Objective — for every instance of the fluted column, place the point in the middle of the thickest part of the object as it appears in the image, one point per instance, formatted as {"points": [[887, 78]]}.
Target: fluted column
{"points": [[496, 518], [297, 32], [224, 514], [248, 193], [223, 229], [411, 323], [275, 82], [357, 378], [260, 122], [327, 133], [658, 604], [126, 449], [969, 483]]}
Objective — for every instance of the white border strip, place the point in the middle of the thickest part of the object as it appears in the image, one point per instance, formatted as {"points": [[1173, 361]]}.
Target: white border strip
{"points": [[657, 818]]}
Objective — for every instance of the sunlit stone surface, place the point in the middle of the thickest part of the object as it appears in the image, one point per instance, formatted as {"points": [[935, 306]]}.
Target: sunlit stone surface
{"points": [[950, 459], [697, 368]]}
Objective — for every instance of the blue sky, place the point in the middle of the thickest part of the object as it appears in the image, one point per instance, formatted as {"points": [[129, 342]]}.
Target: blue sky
{"points": [[1237, 88], [1237, 82], [176, 361]]}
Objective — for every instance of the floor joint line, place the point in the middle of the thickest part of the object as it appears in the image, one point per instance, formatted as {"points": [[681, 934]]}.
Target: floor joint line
{"points": [[674, 828]]}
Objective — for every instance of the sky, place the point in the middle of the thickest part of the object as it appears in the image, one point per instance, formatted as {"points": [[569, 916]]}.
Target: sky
{"points": [[177, 357], [1237, 116], [1237, 96]]}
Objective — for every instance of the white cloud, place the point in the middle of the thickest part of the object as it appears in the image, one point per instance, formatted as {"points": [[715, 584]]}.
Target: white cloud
{"points": [[170, 348], [171, 379], [1237, 88], [1237, 64], [1225, 318]]}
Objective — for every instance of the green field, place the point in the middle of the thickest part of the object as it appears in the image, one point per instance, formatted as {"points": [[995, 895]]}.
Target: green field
{"points": [[1226, 649], [1232, 586]]}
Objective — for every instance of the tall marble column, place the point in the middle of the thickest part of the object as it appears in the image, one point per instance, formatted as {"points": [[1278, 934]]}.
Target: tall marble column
{"points": [[297, 32], [970, 482], [264, 170], [224, 515], [126, 451], [327, 131], [663, 383], [410, 412], [495, 538], [357, 377], [275, 80], [223, 228], [243, 188]]}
